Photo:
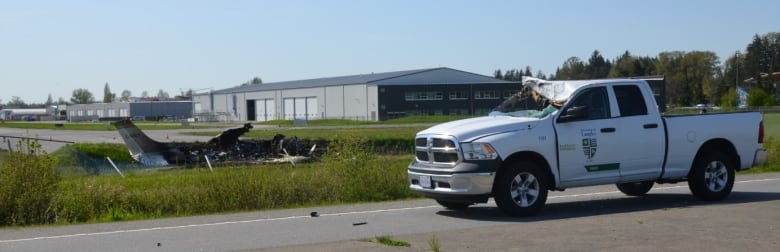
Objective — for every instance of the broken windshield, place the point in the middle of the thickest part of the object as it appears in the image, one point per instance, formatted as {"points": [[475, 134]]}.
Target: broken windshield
{"points": [[526, 103]]}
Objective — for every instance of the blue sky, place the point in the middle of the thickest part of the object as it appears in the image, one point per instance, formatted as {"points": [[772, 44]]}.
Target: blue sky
{"points": [[55, 47]]}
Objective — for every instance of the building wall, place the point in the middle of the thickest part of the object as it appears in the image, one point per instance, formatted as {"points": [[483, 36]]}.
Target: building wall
{"points": [[136, 110], [361, 101], [355, 102], [445, 99], [378, 99], [96, 111], [161, 110], [372, 102], [333, 101]]}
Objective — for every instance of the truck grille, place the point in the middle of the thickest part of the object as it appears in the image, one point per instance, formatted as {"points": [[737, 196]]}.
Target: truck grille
{"points": [[437, 150]]}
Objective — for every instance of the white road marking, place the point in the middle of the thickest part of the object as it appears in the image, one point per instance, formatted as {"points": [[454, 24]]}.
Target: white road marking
{"points": [[307, 216]]}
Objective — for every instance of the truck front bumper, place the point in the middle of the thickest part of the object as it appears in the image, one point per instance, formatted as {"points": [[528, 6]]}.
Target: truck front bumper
{"points": [[465, 181], [458, 183]]}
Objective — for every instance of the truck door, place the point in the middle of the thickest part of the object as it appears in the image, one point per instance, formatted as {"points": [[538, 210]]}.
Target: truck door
{"points": [[587, 143], [643, 146]]}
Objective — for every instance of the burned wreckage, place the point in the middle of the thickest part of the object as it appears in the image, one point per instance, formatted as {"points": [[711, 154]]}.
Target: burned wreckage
{"points": [[223, 148]]}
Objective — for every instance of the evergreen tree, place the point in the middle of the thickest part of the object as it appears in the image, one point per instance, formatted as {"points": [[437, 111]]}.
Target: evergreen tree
{"points": [[497, 74], [108, 97], [49, 101]]}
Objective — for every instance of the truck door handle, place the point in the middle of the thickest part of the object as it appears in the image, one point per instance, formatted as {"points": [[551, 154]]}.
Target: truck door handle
{"points": [[651, 126], [607, 130]]}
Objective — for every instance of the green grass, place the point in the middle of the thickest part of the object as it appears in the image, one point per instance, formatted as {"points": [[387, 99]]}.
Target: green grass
{"points": [[348, 173], [771, 143], [434, 244], [389, 241]]}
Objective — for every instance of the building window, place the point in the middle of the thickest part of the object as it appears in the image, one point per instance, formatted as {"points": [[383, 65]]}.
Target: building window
{"points": [[486, 94], [510, 93], [423, 96], [459, 111], [482, 111], [459, 95], [424, 112]]}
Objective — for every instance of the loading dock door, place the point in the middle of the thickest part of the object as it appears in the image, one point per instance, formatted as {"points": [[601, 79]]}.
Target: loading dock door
{"points": [[266, 110], [289, 108], [311, 108], [300, 108]]}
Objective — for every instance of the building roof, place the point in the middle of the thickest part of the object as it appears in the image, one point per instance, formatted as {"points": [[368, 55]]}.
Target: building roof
{"points": [[431, 76]]}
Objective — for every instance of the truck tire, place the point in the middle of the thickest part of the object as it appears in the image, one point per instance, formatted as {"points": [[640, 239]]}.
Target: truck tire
{"points": [[521, 189], [712, 176], [636, 188], [453, 205]]}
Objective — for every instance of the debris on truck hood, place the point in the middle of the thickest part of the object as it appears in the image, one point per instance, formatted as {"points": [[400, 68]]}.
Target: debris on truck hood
{"points": [[557, 92]]}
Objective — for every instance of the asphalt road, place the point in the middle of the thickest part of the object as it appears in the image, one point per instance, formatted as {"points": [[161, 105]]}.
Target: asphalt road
{"points": [[583, 219]]}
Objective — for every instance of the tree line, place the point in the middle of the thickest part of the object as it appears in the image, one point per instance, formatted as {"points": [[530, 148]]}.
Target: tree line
{"points": [[693, 77]]}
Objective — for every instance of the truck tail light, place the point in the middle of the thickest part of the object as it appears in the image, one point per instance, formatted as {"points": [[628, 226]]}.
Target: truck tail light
{"points": [[761, 132]]}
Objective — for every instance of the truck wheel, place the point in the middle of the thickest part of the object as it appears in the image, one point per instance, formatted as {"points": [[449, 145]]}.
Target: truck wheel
{"points": [[453, 205], [636, 188], [521, 189], [712, 176]]}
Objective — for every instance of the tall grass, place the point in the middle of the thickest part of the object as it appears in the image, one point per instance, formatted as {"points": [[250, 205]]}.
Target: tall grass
{"points": [[27, 185], [347, 173]]}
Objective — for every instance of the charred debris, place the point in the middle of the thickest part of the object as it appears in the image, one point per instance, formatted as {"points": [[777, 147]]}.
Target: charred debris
{"points": [[227, 147]]}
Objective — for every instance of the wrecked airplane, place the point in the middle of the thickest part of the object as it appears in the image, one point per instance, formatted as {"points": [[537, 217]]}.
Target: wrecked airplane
{"points": [[223, 148]]}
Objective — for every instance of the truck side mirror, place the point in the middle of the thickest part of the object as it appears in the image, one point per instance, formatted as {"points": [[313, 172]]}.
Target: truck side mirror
{"points": [[574, 114]]}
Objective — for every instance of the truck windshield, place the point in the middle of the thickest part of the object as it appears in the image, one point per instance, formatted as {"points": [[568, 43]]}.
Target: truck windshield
{"points": [[524, 104]]}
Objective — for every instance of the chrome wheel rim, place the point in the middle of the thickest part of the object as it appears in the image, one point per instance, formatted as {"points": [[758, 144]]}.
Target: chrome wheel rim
{"points": [[716, 176], [524, 189]]}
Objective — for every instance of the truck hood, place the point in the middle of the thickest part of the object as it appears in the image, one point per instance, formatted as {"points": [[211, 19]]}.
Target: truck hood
{"points": [[468, 130]]}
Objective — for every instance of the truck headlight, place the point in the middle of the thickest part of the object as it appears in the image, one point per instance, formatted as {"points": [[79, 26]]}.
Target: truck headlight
{"points": [[478, 151]]}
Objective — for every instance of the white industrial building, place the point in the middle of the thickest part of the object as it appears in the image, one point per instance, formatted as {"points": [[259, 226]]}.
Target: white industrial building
{"points": [[373, 97]]}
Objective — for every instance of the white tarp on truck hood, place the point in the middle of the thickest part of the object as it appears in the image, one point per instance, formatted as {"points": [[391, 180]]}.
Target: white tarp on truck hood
{"points": [[555, 91]]}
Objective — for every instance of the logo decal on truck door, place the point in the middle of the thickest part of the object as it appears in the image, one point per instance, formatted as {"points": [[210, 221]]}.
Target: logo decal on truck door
{"points": [[589, 142]]}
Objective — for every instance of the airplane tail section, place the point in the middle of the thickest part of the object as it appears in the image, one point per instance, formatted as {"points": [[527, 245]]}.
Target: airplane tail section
{"points": [[140, 145]]}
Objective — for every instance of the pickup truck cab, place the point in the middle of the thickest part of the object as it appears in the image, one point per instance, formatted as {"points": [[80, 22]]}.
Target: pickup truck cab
{"points": [[555, 135]]}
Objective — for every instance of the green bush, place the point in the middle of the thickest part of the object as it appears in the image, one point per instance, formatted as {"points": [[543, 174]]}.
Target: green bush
{"points": [[28, 182]]}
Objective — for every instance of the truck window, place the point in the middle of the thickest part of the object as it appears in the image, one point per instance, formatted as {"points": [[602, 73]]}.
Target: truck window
{"points": [[596, 101], [630, 100]]}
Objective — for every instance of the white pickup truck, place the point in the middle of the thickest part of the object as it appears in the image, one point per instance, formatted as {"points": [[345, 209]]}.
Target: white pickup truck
{"points": [[555, 135]]}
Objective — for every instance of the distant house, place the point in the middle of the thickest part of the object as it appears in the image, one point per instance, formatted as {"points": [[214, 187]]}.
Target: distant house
{"points": [[747, 84], [370, 97]]}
